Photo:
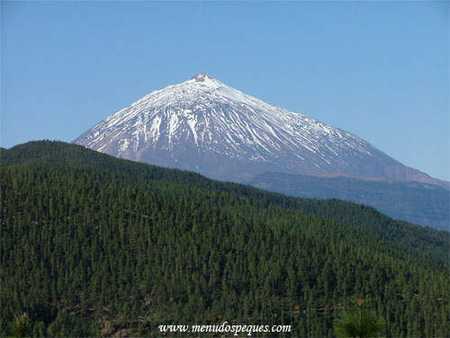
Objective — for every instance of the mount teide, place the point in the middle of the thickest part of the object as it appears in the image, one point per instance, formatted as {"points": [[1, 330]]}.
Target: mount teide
{"points": [[206, 126]]}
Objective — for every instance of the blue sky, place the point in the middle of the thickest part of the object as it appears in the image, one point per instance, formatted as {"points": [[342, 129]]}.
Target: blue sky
{"points": [[380, 70]]}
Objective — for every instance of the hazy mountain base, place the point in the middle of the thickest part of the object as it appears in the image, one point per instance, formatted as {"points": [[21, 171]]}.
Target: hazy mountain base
{"points": [[89, 241], [413, 202]]}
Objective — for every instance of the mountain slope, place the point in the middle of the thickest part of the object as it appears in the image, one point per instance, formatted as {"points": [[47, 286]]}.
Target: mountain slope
{"points": [[208, 127], [92, 245], [415, 202]]}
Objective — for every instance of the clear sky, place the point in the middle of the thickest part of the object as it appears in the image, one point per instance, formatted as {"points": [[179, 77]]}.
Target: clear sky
{"points": [[379, 70]]}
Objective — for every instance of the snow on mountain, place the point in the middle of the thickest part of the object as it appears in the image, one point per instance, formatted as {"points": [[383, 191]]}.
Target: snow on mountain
{"points": [[206, 126]]}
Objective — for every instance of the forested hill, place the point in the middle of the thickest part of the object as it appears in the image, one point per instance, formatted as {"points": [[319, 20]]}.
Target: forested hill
{"points": [[91, 245], [422, 240]]}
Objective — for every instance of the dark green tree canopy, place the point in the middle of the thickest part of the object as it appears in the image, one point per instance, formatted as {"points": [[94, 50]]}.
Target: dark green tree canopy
{"points": [[92, 245]]}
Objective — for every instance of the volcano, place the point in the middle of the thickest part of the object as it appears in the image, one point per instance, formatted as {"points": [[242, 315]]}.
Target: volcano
{"points": [[208, 127]]}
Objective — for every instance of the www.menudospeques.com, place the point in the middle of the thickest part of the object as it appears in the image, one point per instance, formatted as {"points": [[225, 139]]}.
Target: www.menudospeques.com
{"points": [[225, 327]]}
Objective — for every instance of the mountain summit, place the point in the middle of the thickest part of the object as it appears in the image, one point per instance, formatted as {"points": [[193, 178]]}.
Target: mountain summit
{"points": [[206, 126]]}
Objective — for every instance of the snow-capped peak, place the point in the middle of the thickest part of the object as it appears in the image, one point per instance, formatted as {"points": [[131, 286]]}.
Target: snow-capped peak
{"points": [[204, 125]]}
